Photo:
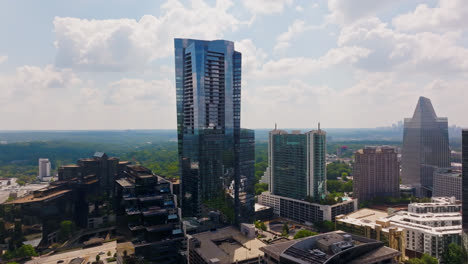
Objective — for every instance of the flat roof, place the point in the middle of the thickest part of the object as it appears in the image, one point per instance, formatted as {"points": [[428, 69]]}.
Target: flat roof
{"points": [[259, 207], [242, 248], [124, 183], [31, 199], [88, 254], [368, 214]]}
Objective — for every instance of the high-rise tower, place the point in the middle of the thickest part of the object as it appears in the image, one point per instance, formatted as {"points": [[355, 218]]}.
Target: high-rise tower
{"points": [[297, 164], [465, 192], [376, 173], [425, 145], [208, 87]]}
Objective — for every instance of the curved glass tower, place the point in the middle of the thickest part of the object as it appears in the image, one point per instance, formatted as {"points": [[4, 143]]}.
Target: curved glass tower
{"points": [[208, 86]]}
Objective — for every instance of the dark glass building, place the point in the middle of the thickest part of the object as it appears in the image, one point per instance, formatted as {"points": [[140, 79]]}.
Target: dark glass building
{"points": [[425, 146], [465, 191], [208, 87], [297, 164]]}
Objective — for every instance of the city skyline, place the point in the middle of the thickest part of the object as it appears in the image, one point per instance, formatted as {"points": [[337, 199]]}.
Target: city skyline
{"points": [[110, 65]]}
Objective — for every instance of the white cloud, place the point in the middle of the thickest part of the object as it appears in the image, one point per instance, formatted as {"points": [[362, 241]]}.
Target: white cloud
{"points": [[302, 66], [448, 15], [123, 44], [424, 52], [299, 8], [345, 11], [297, 27], [266, 6], [3, 59]]}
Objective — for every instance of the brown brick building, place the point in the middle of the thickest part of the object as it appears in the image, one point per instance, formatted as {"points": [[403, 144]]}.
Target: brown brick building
{"points": [[376, 173]]}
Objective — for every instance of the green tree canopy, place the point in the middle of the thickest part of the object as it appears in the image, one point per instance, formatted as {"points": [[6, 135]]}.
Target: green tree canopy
{"points": [[285, 232], [66, 229], [304, 233], [453, 254]]}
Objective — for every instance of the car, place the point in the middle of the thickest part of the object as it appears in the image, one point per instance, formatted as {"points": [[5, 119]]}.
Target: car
{"points": [[102, 253]]}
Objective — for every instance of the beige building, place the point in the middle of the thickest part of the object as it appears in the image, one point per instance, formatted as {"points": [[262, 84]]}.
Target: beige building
{"points": [[376, 173], [372, 224]]}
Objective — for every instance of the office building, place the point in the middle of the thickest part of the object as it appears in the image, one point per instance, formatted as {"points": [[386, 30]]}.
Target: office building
{"points": [[148, 207], [376, 173], [208, 89], [306, 212], [44, 169], [430, 227], [447, 182], [72, 196], [371, 224], [332, 247], [425, 147], [297, 164], [227, 245], [465, 190]]}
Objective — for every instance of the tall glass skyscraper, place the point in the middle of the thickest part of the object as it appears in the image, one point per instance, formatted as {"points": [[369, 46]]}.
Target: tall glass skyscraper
{"points": [[297, 164], [208, 87], [465, 192], [425, 146]]}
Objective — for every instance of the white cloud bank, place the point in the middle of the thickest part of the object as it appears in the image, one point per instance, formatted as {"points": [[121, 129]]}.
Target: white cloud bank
{"points": [[128, 44]]}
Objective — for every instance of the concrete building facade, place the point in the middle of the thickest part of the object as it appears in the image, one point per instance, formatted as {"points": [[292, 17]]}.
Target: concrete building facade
{"points": [[44, 169], [376, 173], [447, 182], [305, 212], [430, 227]]}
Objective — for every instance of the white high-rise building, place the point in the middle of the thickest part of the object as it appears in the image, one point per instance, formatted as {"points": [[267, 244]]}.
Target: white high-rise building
{"points": [[44, 169]]}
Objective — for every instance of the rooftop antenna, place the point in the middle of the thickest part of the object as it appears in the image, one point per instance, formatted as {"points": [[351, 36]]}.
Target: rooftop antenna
{"points": [[275, 126], [319, 126]]}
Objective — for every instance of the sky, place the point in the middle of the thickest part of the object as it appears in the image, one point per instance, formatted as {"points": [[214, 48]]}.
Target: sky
{"points": [[347, 64]]}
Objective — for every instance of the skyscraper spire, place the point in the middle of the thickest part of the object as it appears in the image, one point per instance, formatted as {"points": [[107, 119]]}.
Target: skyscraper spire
{"points": [[275, 126]]}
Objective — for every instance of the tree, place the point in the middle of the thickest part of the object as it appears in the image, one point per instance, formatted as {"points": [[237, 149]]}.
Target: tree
{"points": [[285, 232], [66, 229], [427, 259], [453, 254], [304, 233], [260, 225], [25, 251], [98, 258], [414, 261]]}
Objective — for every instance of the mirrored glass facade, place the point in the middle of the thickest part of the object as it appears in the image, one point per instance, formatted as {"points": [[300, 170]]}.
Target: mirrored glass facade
{"points": [[465, 192], [297, 164], [425, 145], [208, 86]]}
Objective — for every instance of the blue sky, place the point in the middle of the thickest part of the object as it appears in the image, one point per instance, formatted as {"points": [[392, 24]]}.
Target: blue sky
{"points": [[109, 64]]}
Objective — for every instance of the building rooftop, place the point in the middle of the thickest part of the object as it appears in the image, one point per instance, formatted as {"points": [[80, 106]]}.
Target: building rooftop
{"points": [[31, 199], [228, 245], [259, 207], [333, 247]]}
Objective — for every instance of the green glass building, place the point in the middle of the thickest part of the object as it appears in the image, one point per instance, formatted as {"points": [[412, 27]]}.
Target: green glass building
{"points": [[297, 164]]}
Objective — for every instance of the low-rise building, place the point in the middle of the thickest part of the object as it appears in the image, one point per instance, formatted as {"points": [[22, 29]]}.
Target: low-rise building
{"points": [[430, 227], [333, 247], [448, 182], [306, 212], [225, 246], [371, 224]]}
